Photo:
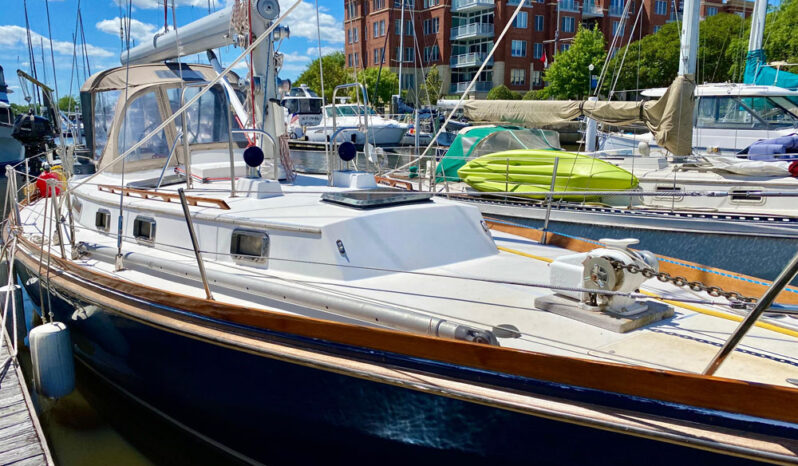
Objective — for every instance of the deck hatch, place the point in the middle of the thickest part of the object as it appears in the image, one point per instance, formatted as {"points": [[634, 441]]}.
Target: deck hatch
{"points": [[375, 198], [249, 245]]}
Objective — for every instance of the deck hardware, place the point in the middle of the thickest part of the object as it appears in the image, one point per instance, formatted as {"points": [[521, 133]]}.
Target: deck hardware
{"points": [[194, 243], [102, 219], [549, 198], [341, 248], [144, 229], [249, 245]]}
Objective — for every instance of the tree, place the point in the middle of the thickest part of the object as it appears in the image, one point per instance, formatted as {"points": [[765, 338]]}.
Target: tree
{"points": [[433, 86], [715, 35], [502, 93], [68, 104], [389, 83], [536, 94], [335, 73], [780, 40], [569, 76]]}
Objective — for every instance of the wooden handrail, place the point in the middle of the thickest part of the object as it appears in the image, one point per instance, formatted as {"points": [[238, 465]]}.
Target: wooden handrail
{"points": [[165, 197]]}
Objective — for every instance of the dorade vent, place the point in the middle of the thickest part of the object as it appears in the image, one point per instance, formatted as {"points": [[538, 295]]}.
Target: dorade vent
{"points": [[144, 229], [249, 245], [102, 220]]}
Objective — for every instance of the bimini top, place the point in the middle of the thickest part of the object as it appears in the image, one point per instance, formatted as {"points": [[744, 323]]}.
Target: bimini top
{"points": [[150, 74]]}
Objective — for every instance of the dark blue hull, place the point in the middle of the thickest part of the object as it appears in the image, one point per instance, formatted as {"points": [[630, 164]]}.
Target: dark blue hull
{"points": [[278, 412]]}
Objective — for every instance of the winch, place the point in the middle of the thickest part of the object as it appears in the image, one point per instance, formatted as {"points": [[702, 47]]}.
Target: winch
{"points": [[573, 278]]}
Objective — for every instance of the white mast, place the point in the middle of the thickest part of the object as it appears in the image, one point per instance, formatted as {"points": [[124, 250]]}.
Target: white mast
{"points": [[401, 45], [689, 38], [757, 25]]}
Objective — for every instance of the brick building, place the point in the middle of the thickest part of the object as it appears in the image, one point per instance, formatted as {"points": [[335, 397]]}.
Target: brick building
{"points": [[456, 35]]}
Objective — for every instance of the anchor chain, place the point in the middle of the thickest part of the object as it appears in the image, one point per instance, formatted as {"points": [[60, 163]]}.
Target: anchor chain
{"points": [[679, 281]]}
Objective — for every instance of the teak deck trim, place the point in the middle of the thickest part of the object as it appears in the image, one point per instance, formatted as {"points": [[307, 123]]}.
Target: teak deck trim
{"points": [[163, 196]]}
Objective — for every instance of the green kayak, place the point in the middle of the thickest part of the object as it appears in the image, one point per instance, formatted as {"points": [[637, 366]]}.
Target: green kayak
{"points": [[528, 172]]}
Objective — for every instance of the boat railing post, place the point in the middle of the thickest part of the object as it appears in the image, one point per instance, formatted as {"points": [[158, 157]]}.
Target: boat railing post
{"points": [[194, 243], [52, 191], [549, 198], [27, 180], [784, 278], [11, 179], [230, 145]]}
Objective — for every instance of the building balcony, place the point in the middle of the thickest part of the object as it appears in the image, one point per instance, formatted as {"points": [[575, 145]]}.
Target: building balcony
{"points": [[469, 59], [479, 86], [591, 10], [472, 31], [467, 6]]}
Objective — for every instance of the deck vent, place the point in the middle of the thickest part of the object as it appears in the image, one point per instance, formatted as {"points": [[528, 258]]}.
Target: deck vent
{"points": [[249, 245], [102, 220], [144, 229], [669, 189]]}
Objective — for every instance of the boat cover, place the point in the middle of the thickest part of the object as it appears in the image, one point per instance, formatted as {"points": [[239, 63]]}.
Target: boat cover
{"points": [[758, 71], [670, 118], [781, 148], [528, 173], [480, 140]]}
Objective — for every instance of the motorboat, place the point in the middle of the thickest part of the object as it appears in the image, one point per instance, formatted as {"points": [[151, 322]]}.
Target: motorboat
{"points": [[302, 108], [375, 324], [11, 150], [357, 120], [728, 118]]}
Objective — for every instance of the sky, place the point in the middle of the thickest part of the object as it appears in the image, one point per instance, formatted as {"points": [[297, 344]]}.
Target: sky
{"points": [[101, 28]]}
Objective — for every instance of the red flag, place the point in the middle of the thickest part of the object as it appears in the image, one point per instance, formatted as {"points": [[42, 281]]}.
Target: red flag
{"points": [[545, 60]]}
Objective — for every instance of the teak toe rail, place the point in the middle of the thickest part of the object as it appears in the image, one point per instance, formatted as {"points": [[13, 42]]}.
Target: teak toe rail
{"points": [[165, 197]]}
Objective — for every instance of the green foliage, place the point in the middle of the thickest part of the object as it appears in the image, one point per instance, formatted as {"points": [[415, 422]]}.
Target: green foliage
{"points": [[19, 109], [502, 93], [780, 40], [433, 86], [68, 103], [389, 83], [715, 34], [537, 94], [569, 75], [335, 74]]}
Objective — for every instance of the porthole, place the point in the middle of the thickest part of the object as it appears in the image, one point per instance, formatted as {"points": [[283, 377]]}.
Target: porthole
{"points": [[102, 220], [249, 245], [144, 229]]}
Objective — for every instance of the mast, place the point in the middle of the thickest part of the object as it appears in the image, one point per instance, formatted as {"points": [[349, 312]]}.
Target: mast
{"points": [[758, 17], [401, 45], [689, 38]]}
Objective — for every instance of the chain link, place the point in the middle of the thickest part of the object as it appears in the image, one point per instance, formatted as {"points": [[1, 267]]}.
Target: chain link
{"points": [[681, 282]]}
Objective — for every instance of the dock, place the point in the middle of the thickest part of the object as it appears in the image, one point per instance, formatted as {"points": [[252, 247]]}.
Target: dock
{"points": [[22, 441]]}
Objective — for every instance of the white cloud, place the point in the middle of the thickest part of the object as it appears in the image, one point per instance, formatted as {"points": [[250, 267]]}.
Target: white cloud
{"points": [[314, 51], [302, 22], [15, 36], [138, 30]]}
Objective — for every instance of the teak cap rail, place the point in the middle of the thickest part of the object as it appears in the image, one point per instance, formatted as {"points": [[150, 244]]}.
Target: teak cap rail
{"points": [[165, 197]]}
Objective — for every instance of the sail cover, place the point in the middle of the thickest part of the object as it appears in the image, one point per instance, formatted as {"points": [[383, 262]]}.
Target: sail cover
{"points": [[758, 71], [670, 118]]}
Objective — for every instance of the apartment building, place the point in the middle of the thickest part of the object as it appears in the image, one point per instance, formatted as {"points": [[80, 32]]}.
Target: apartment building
{"points": [[456, 35]]}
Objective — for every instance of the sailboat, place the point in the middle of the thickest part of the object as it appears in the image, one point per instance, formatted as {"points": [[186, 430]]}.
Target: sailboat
{"points": [[368, 324]]}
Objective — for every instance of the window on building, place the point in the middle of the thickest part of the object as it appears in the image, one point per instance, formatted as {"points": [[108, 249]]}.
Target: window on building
{"points": [[382, 27], [376, 27], [618, 27], [563, 47], [518, 48], [517, 77], [354, 35], [348, 36], [535, 77], [349, 60], [657, 28], [520, 20], [660, 7], [712, 10], [357, 60], [568, 5], [568, 23], [378, 4], [616, 7], [431, 26], [408, 81], [351, 10], [538, 51], [431, 53], [431, 3], [539, 22], [409, 4], [409, 55]]}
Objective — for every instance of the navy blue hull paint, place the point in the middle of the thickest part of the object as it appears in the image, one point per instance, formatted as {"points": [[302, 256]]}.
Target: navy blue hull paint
{"points": [[281, 413]]}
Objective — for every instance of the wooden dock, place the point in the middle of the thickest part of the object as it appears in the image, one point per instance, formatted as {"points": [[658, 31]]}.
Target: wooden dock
{"points": [[22, 441]]}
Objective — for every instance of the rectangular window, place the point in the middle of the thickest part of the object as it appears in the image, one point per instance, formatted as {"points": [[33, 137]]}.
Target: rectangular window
{"points": [[431, 26], [568, 23], [409, 28], [536, 78], [539, 22], [376, 57], [520, 20], [431, 53], [349, 60], [563, 47], [382, 28], [660, 7], [712, 10], [568, 5], [431, 3], [538, 52], [518, 48], [409, 55], [657, 28], [616, 7], [376, 27], [348, 36], [615, 28], [357, 60], [354, 35], [409, 4], [517, 77]]}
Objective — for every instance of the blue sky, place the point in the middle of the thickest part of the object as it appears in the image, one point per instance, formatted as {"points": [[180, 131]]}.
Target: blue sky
{"points": [[101, 27]]}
